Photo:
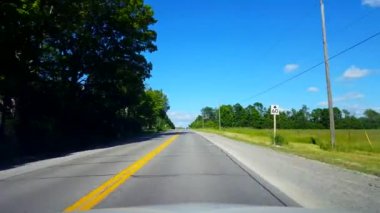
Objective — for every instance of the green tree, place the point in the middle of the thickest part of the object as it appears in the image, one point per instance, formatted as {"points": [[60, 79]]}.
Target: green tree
{"points": [[75, 68], [348, 121], [197, 123], [320, 117], [260, 108], [209, 113], [227, 116], [300, 118], [240, 116], [159, 105], [257, 116], [371, 119], [253, 116], [284, 121]]}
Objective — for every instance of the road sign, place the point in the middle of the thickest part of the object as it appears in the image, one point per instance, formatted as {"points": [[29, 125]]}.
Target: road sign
{"points": [[274, 109]]}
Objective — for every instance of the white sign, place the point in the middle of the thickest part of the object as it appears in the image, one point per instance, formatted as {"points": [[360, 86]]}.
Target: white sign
{"points": [[274, 109]]}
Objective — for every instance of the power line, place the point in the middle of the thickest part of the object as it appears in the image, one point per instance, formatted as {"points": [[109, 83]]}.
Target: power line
{"points": [[313, 67], [307, 15]]}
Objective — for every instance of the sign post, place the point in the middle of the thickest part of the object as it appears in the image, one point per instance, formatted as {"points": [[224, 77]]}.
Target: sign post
{"points": [[274, 110]]}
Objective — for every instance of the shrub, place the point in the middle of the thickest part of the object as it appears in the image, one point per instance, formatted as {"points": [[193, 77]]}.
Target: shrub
{"points": [[313, 140], [325, 145], [280, 140]]}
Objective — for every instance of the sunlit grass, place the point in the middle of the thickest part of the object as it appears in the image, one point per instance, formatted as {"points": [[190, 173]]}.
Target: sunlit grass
{"points": [[353, 150]]}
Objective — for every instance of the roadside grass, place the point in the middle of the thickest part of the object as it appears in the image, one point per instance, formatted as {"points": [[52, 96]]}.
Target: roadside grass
{"points": [[353, 150]]}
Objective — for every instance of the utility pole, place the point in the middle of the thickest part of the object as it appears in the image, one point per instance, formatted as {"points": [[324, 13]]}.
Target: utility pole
{"points": [[203, 121], [327, 72], [220, 126]]}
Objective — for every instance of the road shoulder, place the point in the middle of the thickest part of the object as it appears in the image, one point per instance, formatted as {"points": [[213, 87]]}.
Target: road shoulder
{"points": [[310, 183]]}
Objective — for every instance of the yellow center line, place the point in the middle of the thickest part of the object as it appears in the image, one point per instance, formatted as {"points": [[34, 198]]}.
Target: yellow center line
{"points": [[100, 193]]}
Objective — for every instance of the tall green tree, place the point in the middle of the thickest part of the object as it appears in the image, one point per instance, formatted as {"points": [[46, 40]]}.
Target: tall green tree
{"points": [[227, 116], [254, 118], [240, 116], [209, 113], [158, 105], [75, 68]]}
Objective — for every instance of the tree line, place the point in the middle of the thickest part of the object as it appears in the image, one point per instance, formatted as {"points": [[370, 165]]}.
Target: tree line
{"points": [[258, 116], [73, 71]]}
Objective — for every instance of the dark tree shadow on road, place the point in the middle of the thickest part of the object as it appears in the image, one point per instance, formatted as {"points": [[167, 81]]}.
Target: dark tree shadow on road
{"points": [[22, 160]]}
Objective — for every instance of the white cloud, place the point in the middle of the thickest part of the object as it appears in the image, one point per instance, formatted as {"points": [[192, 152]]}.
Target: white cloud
{"points": [[371, 3], [181, 119], [322, 104], [291, 68], [355, 72], [346, 97], [349, 96], [313, 89], [355, 109]]}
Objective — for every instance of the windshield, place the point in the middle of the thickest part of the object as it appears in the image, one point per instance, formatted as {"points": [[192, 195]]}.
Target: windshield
{"points": [[224, 104]]}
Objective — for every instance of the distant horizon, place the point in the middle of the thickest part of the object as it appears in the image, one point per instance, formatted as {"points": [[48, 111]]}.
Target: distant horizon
{"points": [[181, 117]]}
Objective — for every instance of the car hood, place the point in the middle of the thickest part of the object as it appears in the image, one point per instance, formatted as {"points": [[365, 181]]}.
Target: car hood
{"points": [[212, 207]]}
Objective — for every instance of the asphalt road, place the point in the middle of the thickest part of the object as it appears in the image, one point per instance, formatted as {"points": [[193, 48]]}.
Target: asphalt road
{"points": [[188, 170]]}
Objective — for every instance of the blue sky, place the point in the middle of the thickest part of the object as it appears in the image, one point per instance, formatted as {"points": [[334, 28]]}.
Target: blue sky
{"points": [[213, 52]]}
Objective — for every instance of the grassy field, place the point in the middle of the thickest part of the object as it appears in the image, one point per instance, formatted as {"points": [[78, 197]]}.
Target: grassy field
{"points": [[353, 149]]}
